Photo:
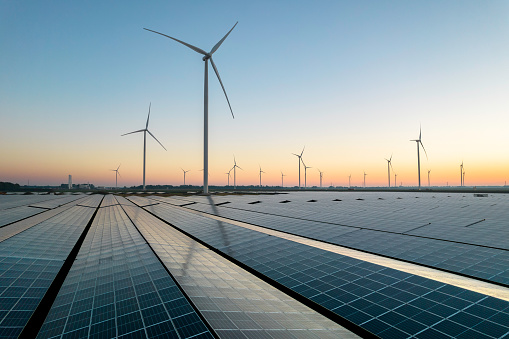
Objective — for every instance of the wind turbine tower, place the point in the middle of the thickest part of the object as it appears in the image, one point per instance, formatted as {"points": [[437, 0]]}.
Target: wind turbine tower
{"points": [[234, 168], [117, 173], [145, 131], [300, 159], [418, 141], [321, 175], [282, 176], [184, 175], [389, 165], [349, 180], [228, 174], [365, 179], [461, 174], [206, 58], [261, 175], [395, 181], [305, 172], [429, 185]]}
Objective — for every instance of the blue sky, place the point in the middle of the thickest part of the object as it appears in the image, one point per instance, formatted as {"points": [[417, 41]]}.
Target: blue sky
{"points": [[350, 80]]}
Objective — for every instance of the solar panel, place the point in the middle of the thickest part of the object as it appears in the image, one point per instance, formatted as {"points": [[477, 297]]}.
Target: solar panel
{"points": [[355, 290]]}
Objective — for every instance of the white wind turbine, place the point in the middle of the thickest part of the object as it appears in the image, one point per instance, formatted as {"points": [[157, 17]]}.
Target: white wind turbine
{"points": [[305, 172], [418, 141], [321, 175], [116, 174], [349, 179], [234, 168], [461, 174], [261, 175], [145, 130], [206, 58], [228, 174], [184, 175], [429, 171], [365, 179], [282, 176], [300, 159], [389, 166]]}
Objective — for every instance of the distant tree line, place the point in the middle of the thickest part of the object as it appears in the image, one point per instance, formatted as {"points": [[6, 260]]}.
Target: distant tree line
{"points": [[8, 186]]}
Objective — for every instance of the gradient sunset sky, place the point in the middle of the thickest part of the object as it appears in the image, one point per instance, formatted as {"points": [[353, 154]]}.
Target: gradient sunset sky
{"points": [[350, 80]]}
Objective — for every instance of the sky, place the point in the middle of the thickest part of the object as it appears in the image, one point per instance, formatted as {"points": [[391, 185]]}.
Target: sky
{"points": [[352, 81]]}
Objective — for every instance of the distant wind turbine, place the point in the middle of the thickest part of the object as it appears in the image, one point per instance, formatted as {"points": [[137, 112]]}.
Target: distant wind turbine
{"points": [[184, 175], [228, 173], [282, 176], [365, 179], [117, 173], [429, 171], [234, 168], [395, 181], [305, 172], [300, 158], [418, 141], [206, 58], [389, 166], [461, 174], [321, 175], [261, 175], [145, 130], [463, 177], [349, 177]]}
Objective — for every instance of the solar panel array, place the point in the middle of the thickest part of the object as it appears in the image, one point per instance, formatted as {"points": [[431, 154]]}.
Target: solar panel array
{"points": [[385, 301], [30, 262], [118, 288], [234, 302], [456, 250], [106, 266]]}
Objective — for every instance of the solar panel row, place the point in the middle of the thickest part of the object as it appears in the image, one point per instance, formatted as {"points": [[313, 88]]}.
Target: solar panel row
{"points": [[476, 261], [387, 302]]}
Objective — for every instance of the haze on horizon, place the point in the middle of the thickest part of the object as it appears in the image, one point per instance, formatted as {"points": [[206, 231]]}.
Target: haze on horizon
{"points": [[350, 81]]}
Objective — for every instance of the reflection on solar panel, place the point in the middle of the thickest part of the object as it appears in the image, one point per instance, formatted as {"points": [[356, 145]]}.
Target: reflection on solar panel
{"points": [[233, 301], [385, 301], [118, 288], [395, 233], [11, 215]]}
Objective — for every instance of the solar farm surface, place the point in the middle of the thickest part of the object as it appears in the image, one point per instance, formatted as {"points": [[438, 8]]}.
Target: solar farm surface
{"points": [[293, 265]]}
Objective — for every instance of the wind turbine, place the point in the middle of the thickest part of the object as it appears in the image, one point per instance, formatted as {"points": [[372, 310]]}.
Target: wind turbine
{"points": [[300, 159], [365, 179], [428, 178], [261, 175], [305, 172], [234, 168], [389, 166], [282, 175], [228, 173], [349, 177], [116, 174], [321, 175], [145, 130], [463, 177], [395, 182], [418, 141], [206, 58], [461, 174], [184, 175]]}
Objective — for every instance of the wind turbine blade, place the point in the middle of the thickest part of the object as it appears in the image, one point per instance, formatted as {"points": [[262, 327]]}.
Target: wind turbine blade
{"points": [[296, 155], [194, 48], [423, 149], [302, 151], [148, 117], [118, 167], [239, 167], [141, 130], [119, 174], [157, 140], [219, 78], [419, 132], [221, 41]]}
